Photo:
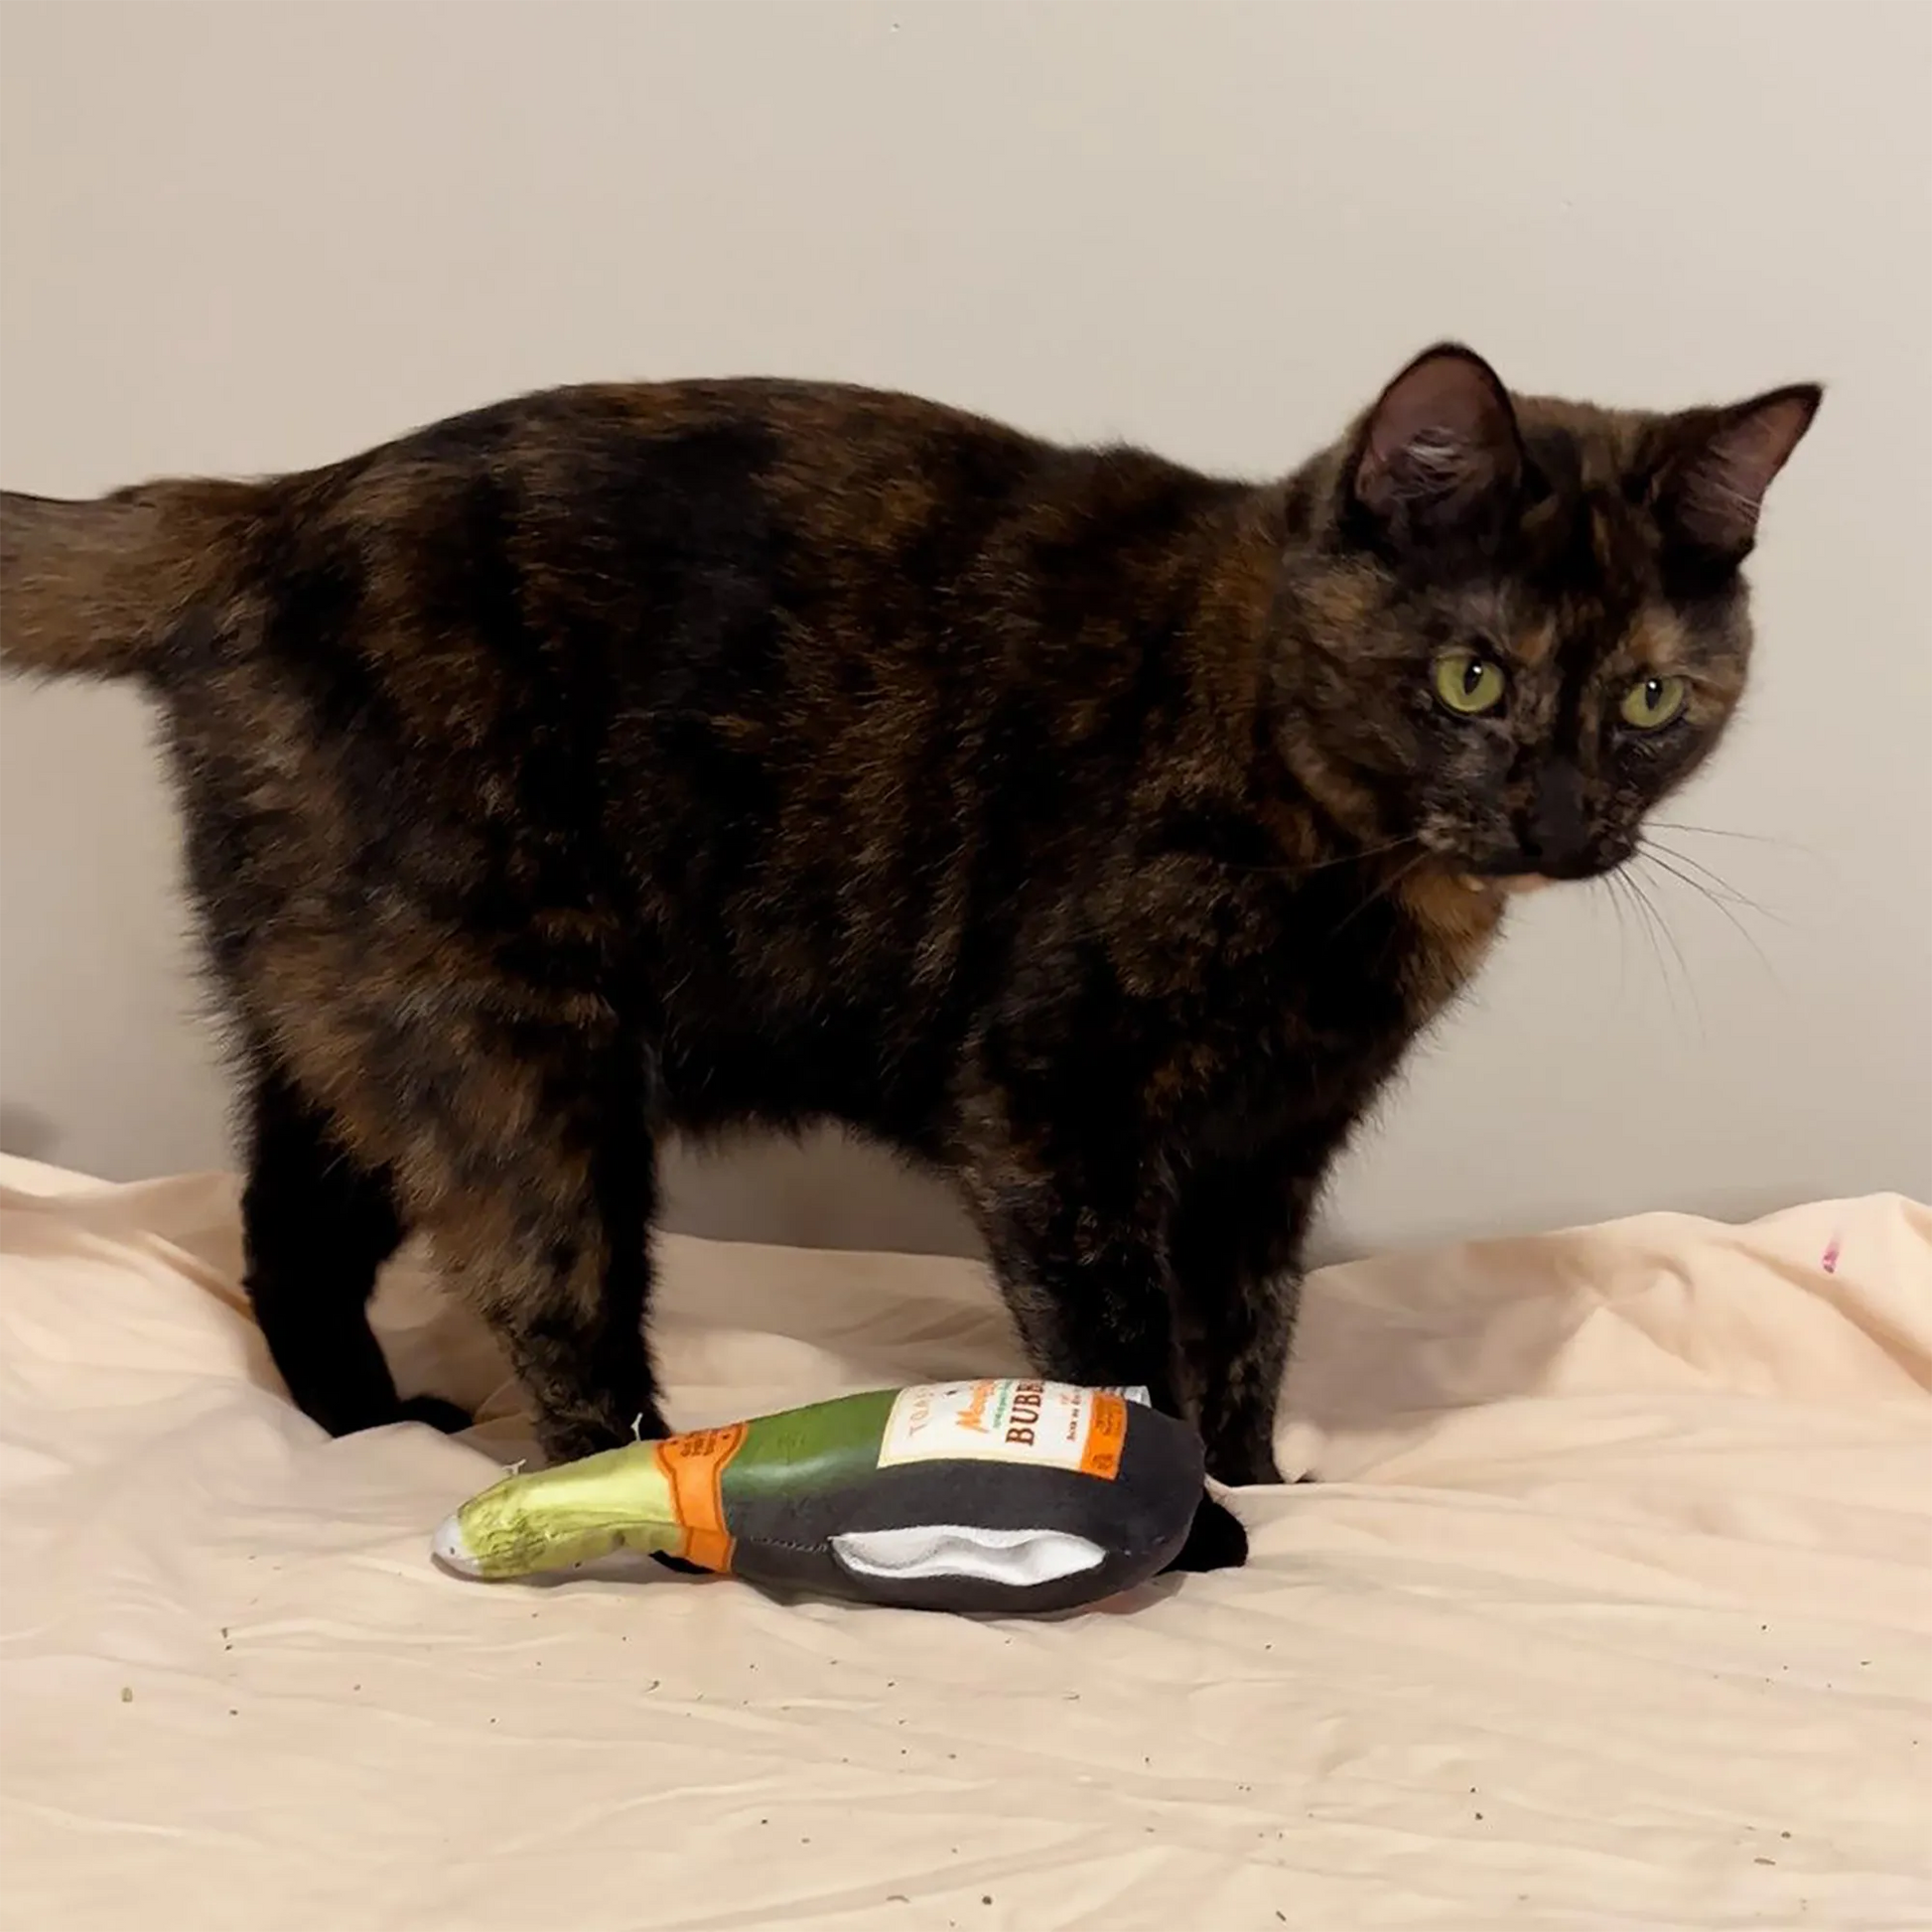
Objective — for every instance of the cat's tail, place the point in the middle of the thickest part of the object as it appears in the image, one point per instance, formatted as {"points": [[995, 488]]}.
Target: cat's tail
{"points": [[98, 589]]}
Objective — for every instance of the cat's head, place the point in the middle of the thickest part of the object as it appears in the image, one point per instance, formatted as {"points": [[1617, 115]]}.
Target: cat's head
{"points": [[1517, 624]]}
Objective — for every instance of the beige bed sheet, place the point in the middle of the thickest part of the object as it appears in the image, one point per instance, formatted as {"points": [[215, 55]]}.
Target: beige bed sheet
{"points": [[1615, 1610]]}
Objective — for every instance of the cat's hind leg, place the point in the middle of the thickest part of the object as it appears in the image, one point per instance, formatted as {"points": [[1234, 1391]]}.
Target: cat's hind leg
{"points": [[540, 1217], [561, 1272], [317, 1228]]}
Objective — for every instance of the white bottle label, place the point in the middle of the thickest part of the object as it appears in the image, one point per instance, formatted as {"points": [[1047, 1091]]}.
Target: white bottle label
{"points": [[1047, 1425]]}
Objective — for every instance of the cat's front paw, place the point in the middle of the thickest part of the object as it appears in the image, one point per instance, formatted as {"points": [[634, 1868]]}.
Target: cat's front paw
{"points": [[683, 1566], [1216, 1540], [1243, 1462], [587, 1428]]}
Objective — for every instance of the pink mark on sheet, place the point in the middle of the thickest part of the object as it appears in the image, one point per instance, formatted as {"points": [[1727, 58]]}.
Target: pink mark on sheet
{"points": [[1830, 1260]]}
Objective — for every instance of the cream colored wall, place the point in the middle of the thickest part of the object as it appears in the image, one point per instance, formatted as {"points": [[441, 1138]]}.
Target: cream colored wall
{"points": [[245, 237]]}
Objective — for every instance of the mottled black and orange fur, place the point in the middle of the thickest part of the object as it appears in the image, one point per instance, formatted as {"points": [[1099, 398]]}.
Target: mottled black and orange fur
{"points": [[629, 759]]}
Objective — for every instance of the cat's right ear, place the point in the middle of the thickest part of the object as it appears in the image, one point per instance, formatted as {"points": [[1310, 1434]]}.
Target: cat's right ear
{"points": [[1439, 451]]}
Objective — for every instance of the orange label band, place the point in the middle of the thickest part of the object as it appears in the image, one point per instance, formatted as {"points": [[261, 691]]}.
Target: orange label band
{"points": [[694, 1465], [1106, 1435]]}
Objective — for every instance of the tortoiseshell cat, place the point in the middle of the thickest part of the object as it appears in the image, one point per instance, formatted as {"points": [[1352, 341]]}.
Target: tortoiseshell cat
{"points": [[625, 759]]}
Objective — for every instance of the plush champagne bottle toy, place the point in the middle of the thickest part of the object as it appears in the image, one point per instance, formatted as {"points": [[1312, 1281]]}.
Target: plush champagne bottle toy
{"points": [[972, 1496]]}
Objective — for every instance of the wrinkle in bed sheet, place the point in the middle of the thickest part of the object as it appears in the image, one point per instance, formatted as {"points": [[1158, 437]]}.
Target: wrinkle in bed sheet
{"points": [[1613, 1609]]}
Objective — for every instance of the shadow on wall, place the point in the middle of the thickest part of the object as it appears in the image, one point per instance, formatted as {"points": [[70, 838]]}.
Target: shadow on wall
{"points": [[28, 1135], [826, 1190], [829, 1191]]}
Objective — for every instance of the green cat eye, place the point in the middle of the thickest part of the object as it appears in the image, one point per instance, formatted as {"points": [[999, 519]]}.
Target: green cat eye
{"points": [[1652, 702], [1467, 682]]}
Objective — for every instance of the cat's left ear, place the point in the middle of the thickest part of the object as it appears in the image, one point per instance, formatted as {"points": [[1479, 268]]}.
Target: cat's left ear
{"points": [[1708, 486]]}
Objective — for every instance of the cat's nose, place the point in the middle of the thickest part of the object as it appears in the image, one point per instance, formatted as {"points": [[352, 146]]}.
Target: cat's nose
{"points": [[1554, 832]]}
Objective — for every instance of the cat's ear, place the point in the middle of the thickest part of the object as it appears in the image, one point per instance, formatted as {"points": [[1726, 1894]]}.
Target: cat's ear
{"points": [[1440, 448], [1708, 486]]}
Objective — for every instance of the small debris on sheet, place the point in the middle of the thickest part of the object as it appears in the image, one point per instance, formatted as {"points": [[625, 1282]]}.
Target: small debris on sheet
{"points": [[127, 1693]]}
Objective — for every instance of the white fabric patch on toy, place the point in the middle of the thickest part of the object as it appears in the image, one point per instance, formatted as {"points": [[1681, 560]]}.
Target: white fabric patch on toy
{"points": [[1020, 1558]]}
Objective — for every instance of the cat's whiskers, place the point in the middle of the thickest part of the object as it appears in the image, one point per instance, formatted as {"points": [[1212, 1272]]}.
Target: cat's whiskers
{"points": [[1649, 852], [1381, 892], [1609, 883], [1657, 928], [1360, 857], [1657, 851], [1729, 832]]}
